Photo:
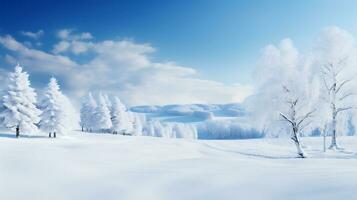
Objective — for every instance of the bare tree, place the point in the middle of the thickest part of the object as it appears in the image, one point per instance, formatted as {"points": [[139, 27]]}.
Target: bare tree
{"points": [[335, 94], [296, 121]]}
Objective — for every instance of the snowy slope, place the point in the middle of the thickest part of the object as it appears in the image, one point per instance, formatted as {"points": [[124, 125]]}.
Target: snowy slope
{"points": [[102, 166]]}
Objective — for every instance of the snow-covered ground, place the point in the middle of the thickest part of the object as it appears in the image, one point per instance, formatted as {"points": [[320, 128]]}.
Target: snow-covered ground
{"points": [[103, 166]]}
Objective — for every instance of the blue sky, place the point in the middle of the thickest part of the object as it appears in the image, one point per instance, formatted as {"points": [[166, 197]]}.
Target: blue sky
{"points": [[221, 40]]}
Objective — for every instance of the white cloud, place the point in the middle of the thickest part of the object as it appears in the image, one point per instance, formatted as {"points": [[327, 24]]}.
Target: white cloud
{"points": [[63, 33], [69, 34], [61, 47], [33, 35], [124, 68], [85, 36], [38, 61]]}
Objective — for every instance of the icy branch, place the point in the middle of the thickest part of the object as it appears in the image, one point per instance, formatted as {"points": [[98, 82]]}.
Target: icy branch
{"points": [[343, 109], [286, 118], [342, 84], [347, 95], [307, 115]]}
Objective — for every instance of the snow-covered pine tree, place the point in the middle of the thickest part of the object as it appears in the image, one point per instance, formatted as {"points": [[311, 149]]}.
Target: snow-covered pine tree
{"points": [[119, 116], [107, 100], [55, 114], [137, 123], [102, 115], [19, 103], [109, 104], [87, 113], [131, 123]]}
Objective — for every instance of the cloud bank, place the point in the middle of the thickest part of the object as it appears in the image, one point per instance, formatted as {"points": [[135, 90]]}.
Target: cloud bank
{"points": [[120, 67]]}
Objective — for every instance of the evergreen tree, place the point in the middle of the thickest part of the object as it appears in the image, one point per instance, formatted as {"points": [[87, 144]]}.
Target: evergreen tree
{"points": [[102, 115], [107, 101], [19, 103], [119, 116], [87, 120], [56, 116]]}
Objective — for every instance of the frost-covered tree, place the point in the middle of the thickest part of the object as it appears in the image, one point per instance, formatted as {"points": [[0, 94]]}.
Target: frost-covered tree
{"points": [[102, 115], [138, 121], [19, 103], [120, 118], [56, 110], [335, 62], [87, 113], [293, 116], [283, 101], [131, 122], [335, 95], [107, 101]]}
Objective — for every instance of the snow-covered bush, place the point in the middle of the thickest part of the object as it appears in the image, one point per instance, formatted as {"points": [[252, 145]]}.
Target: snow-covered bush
{"points": [[19, 103]]}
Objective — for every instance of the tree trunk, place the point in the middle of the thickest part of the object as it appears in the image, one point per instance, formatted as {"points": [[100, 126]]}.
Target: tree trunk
{"points": [[324, 140], [296, 140], [17, 131], [334, 135]]}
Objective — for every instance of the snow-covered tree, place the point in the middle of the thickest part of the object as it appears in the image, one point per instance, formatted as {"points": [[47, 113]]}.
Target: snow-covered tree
{"points": [[87, 113], [107, 101], [120, 118], [283, 101], [19, 103], [335, 95], [296, 119], [56, 110], [102, 115], [334, 63], [131, 122], [138, 121]]}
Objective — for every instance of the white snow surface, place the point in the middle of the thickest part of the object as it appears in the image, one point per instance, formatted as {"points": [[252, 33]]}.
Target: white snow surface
{"points": [[102, 166]]}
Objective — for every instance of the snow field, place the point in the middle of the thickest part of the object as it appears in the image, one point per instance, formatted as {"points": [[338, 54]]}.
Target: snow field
{"points": [[103, 166]]}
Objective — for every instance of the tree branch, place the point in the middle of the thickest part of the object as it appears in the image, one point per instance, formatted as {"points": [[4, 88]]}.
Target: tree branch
{"points": [[302, 127], [343, 83], [326, 86], [286, 118], [307, 115], [347, 95], [343, 109]]}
